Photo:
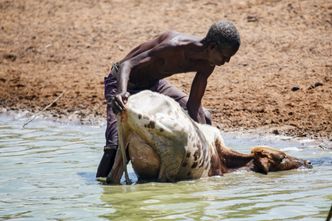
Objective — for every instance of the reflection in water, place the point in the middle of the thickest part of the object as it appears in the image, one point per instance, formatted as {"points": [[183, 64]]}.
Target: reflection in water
{"points": [[47, 171]]}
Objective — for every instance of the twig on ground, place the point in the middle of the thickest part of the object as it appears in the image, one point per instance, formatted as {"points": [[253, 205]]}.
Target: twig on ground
{"points": [[35, 115]]}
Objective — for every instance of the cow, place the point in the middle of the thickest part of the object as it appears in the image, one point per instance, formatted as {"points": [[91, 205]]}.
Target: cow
{"points": [[165, 145]]}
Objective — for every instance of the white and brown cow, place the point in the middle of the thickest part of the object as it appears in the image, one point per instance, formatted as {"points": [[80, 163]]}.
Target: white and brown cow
{"points": [[164, 144]]}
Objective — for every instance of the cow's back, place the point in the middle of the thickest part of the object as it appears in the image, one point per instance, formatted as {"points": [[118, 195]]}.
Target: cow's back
{"points": [[162, 124]]}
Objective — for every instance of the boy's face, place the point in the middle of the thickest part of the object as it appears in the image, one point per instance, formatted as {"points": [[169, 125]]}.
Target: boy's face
{"points": [[217, 56]]}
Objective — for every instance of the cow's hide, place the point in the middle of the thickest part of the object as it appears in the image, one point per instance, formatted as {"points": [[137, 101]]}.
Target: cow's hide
{"points": [[160, 131]]}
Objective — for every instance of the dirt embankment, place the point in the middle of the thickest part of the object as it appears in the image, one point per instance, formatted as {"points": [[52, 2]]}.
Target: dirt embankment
{"points": [[280, 80]]}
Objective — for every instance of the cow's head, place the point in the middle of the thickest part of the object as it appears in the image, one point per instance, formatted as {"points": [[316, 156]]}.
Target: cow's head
{"points": [[267, 159]]}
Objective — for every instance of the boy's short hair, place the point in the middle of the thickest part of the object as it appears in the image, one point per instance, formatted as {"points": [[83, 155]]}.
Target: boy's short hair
{"points": [[224, 34]]}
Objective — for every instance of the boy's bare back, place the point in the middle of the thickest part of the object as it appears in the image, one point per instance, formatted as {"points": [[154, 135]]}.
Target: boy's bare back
{"points": [[168, 54]]}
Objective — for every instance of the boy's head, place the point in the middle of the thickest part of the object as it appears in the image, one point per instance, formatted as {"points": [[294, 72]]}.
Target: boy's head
{"points": [[224, 38]]}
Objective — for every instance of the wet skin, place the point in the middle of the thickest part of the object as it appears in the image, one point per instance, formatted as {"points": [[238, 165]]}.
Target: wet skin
{"points": [[169, 54]]}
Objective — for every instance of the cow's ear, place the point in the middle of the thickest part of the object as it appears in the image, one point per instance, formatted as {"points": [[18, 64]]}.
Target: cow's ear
{"points": [[261, 165]]}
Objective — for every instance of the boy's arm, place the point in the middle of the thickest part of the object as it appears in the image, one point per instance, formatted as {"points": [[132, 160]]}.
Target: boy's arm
{"points": [[122, 76], [119, 100], [196, 93]]}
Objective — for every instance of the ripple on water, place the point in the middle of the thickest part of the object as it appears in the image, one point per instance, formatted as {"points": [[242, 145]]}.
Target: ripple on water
{"points": [[48, 172]]}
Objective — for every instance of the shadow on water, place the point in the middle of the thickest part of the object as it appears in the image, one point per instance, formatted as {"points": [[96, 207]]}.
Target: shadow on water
{"points": [[48, 172], [88, 177]]}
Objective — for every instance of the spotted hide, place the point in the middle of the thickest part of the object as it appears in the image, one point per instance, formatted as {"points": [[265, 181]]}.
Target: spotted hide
{"points": [[165, 144]]}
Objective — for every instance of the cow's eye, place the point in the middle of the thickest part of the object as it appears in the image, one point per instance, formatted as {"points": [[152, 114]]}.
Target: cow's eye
{"points": [[280, 158]]}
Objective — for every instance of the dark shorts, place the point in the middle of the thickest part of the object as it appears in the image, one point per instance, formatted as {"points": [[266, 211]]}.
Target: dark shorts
{"points": [[161, 86]]}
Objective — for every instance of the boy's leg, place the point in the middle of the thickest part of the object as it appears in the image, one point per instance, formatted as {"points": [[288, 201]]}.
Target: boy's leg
{"points": [[111, 133], [179, 96]]}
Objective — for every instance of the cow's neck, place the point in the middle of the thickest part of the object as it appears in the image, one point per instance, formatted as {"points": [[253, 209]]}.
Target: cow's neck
{"points": [[228, 160], [231, 160]]}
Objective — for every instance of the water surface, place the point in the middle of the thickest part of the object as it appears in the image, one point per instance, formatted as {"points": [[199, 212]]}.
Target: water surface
{"points": [[47, 172]]}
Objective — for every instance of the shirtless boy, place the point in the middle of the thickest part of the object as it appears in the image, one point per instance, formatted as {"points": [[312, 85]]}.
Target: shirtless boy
{"points": [[146, 65]]}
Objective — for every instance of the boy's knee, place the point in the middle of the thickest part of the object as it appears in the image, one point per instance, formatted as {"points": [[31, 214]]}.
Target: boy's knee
{"points": [[204, 116], [208, 116]]}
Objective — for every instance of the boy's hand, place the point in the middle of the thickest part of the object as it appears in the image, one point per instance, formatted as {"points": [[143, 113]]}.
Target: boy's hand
{"points": [[118, 102]]}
